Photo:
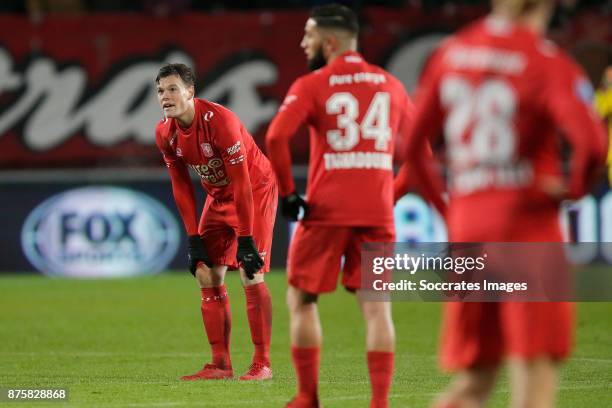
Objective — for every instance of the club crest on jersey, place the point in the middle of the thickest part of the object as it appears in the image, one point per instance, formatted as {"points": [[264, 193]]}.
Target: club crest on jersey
{"points": [[207, 149]]}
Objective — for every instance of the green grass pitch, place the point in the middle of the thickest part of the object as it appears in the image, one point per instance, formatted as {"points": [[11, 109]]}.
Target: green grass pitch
{"points": [[124, 343]]}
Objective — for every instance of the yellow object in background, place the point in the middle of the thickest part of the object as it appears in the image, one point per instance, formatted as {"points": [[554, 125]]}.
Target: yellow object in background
{"points": [[603, 106]]}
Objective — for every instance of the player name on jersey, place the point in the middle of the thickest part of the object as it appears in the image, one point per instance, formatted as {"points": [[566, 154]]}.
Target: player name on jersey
{"points": [[481, 178], [487, 58], [358, 160]]}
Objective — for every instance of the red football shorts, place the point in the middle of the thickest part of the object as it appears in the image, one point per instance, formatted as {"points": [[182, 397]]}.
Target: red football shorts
{"points": [[482, 334], [219, 223], [315, 255]]}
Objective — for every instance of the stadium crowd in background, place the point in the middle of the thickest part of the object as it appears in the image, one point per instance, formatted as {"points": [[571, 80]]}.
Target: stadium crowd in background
{"points": [[168, 7]]}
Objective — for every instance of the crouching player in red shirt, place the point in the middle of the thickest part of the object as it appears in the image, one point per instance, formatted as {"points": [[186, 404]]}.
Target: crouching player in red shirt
{"points": [[498, 92], [353, 110], [235, 229]]}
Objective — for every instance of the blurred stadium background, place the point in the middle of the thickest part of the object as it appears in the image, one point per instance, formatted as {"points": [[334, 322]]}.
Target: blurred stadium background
{"points": [[78, 110], [84, 193]]}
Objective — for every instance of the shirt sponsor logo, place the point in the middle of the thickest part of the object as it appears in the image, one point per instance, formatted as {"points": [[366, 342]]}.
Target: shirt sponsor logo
{"points": [[357, 78], [212, 173], [100, 232], [234, 148], [208, 116], [207, 150], [179, 152]]}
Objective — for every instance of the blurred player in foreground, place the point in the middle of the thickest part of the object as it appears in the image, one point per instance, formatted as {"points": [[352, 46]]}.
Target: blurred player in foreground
{"points": [[498, 91], [235, 229], [353, 110]]}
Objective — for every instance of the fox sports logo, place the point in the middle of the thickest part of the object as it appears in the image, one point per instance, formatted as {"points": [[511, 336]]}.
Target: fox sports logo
{"points": [[100, 232]]}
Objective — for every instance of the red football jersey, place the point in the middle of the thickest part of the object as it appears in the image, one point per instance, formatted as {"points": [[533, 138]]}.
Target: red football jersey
{"points": [[499, 93], [353, 110], [222, 153]]}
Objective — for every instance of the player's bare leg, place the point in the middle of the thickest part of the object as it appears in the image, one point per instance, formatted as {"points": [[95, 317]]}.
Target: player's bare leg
{"points": [[380, 345], [469, 389], [533, 382], [259, 313], [217, 320], [210, 277], [305, 336], [305, 327]]}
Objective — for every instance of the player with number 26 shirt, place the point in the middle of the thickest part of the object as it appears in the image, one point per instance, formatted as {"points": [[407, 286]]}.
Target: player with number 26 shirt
{"points": [[499, 93], [353, 111]]}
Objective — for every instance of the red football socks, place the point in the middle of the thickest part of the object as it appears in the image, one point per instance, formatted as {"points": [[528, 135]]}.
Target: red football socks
{"points": [[259, 313], [217, 319], [306, 363], [380, 365]]}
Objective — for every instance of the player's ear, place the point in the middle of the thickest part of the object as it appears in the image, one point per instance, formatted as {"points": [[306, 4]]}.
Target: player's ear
{"points": [[330, 45], [191, 91]]}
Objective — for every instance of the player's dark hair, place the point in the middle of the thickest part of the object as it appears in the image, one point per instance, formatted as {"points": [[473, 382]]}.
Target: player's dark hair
{"points": [[336, 16], [181, 70]]}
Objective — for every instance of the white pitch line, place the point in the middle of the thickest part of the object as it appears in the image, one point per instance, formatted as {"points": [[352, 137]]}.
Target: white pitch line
{"points": [[192, 354], [107, 354], [585, 387], [254, 402], [155, 404], [593, 360]]}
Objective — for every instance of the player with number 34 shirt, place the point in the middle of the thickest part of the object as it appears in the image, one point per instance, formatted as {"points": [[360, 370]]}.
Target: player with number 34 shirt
{"points": [[353, 110]]}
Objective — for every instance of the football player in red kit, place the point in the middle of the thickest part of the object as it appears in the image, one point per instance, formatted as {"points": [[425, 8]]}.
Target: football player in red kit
{"points": [[498, 92], [353, 110], [235, 228]]}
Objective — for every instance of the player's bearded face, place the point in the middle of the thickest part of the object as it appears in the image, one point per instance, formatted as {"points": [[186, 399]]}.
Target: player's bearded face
{"points": [[173, 96], [312, 44], [317, 60]]}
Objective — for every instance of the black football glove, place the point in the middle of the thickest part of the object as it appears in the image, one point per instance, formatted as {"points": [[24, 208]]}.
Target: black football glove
{"points": [[248, 256], [196, 254], [291, 204]]}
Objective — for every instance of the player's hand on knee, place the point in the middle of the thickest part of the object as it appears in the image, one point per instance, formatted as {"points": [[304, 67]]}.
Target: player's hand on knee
{"points": [[291, 206], [248, 257], [196, 254]]}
